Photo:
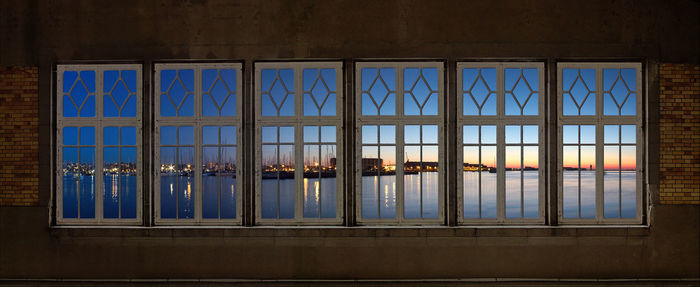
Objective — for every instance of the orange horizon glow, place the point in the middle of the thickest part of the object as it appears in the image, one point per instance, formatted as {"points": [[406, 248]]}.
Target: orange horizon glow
{"points": [[611, 158]]}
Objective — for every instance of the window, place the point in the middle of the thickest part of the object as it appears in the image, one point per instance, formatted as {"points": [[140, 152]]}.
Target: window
{"points": [[599, 142], [98, 144], [298, 121], [400, 122], [399, 175], [197, 127], [500, 128]]}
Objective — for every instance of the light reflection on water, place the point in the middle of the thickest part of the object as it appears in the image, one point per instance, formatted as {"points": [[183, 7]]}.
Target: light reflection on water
{"points": [[323, 195]]}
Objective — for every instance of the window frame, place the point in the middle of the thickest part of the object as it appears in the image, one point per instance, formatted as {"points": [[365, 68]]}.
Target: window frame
{"points": [[501, 120], [298, 121], [399, 121], [99, 122], [197, 121], [600, 120]]}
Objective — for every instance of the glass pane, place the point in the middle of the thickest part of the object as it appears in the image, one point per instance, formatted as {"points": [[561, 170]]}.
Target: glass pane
{"points": [[531, 181], [311, 133], [370, 181], [387, 182], [628, 181], [430, 182], [185, 136], [611, 182], [228, 135], [387, 134], [128, 182], [87, 136], [168, 181], [111, 182], [210, 182], [512, 134], [312, 196], [227, 175], [570, 134], [412, 181], [79, 94], [177, 93], [218, 92], [588, 134], [578, 92], [421, 97], [488, 134], [570, 176], [168, 135], [575, 180], [312, 173], [430, 134], [128, 135], [471, 176], [378, 91], [286, 182], [269, 134], [87, 181], [619, 90], [71, 181], [488, 182], [186, 190], [479, 86], [588, 181], [120, 93], [629, 134], [470, 134], [210, 135], [369, 134], [278, 92], [328, 181], [412, 134], [513, 181], [269, 181], [70, 136], [286, 134], [521, 96], [319, 92], [611, 134], [530, 134], [328, 134]]}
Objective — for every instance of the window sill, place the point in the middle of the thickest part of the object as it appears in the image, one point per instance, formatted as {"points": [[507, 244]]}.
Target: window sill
{"points": [[359, 231]]}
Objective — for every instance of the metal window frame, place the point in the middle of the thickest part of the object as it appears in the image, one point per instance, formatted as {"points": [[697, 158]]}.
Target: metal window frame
{"points": [[98, 122], [599, 120], [501, 120], [399, 120], [298, 121], [197, 121]]}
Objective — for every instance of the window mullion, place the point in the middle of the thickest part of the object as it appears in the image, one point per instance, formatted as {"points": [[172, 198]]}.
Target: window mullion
{"points": [[599, 152], [400, 142], [500, 143]]}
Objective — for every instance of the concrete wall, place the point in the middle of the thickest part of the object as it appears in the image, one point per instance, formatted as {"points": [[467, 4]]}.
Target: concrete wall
{"points": [[43, 33]]}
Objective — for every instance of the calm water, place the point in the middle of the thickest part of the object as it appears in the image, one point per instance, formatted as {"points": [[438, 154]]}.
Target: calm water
{"points": [[617, 185], [120, 193], [421, 196], [522, 194], [177, 197], [378, 196]]}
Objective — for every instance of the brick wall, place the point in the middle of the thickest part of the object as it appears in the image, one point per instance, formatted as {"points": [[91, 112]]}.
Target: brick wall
{"points": [[679, 118], [19, 136]]}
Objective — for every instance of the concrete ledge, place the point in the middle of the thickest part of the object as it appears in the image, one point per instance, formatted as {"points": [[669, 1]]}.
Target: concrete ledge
{"points": [[339, 231]]}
